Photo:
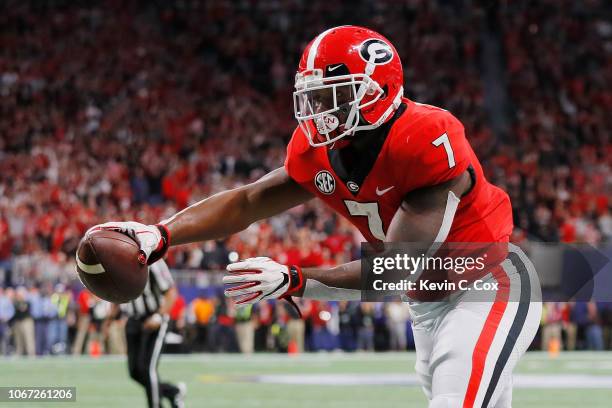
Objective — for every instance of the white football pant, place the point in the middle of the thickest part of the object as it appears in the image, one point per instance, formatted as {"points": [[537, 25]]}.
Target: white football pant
{"points": [[467, 347]]}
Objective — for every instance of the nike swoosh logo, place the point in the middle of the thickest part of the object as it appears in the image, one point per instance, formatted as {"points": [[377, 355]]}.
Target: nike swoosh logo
{"points": [[330, 69], [283, 283], [381, 192]]}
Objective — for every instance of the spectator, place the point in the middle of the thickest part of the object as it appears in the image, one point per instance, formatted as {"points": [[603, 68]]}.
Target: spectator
{"points": [[43, 311], [347, 314], [223, 332], [397, 320], [569, 327], [7, 311], [23, 324], [245, 329], [365, 335], [319, 316], [264, 318], [589, 332], [295, 325], [178, 315], [58, 326], [99, 313], [551, 324], [113, 331], [85, 302], [605, 310], [203, 311], [594, 333]]}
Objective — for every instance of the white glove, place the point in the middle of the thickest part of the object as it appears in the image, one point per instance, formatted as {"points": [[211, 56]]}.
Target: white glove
{"points": [[149, 237], [261, 278]]}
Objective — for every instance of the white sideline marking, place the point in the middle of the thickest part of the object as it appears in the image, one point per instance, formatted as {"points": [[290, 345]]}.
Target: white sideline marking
{"points": [[576, 381]]}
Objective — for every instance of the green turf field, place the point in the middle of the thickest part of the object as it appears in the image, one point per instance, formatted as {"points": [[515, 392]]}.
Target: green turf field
{"points": [[333, 380]]}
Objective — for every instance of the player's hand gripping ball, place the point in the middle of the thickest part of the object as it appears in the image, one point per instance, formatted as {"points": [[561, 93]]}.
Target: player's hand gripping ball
{"points": [[112, 265]]}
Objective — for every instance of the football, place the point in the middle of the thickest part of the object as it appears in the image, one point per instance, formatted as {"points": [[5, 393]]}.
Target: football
{"points": [[111, 265]]}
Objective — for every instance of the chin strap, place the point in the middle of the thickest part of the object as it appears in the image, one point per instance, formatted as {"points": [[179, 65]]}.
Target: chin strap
{"points": [[397, 101]]}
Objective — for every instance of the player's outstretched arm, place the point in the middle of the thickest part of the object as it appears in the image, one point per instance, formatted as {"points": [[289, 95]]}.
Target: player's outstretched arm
{"points": [[218, 216], [232, 211], [425, 216]]}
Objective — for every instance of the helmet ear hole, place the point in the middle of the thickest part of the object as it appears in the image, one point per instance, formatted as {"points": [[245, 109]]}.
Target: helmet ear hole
{"points": [[385, 92]]}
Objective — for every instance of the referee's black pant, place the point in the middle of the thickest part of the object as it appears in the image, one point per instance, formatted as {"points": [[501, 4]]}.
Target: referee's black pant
{"points": [[143, 349]]}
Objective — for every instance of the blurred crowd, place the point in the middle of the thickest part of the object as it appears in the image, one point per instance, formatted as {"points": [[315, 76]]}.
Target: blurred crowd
{"points": [[116, 110], [55, 320], [46, 320], [557, 162]]}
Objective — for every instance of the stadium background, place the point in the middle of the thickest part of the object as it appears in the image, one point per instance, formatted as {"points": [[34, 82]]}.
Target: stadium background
{"points": [[135, 109]]}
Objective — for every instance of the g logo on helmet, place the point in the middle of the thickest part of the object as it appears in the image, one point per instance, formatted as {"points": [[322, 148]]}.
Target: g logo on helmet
{"points": [[325, 182], [375, 51]]}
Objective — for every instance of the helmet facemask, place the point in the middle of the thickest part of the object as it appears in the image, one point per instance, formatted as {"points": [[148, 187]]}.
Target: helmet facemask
{"points": [[328, 109]]}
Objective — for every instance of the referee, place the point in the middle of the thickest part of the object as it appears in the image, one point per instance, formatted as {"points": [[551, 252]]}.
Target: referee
{"points": [[145, 331]]}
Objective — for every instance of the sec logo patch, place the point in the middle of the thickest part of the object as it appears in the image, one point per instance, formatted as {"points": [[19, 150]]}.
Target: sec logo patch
{"points": [[325, 182]]}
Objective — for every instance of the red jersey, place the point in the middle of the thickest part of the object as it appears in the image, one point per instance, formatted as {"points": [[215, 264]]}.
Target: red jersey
{"points": [[421, 146]]}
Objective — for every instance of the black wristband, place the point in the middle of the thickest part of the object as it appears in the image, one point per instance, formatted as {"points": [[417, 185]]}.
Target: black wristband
{"points": [[295, 278]]}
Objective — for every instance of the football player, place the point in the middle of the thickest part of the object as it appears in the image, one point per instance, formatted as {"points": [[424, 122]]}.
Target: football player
{"points": [[400, 171]]}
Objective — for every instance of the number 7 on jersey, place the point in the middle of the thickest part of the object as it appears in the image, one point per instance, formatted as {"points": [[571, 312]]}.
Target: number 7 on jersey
{"points": [[444, 140]]}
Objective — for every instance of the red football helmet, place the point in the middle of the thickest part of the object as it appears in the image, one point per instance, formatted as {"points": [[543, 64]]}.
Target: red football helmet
{"points": [[349, 78]]}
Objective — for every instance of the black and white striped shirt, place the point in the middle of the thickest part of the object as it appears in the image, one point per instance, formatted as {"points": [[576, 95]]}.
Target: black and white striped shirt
{"points": [[160, 281]]}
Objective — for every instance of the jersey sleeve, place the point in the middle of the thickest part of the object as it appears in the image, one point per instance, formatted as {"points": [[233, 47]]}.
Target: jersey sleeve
{"points": [[297, 146], [163, 278], [435, 152]]}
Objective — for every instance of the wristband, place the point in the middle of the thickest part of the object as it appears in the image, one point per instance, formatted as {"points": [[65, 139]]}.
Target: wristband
{"points": [[161, 250], [296, 280]]}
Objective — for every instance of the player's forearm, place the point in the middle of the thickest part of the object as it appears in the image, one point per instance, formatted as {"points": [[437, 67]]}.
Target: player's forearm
{"points": [[215, 217], [347, 275], [342, 282], [232, 211]]}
